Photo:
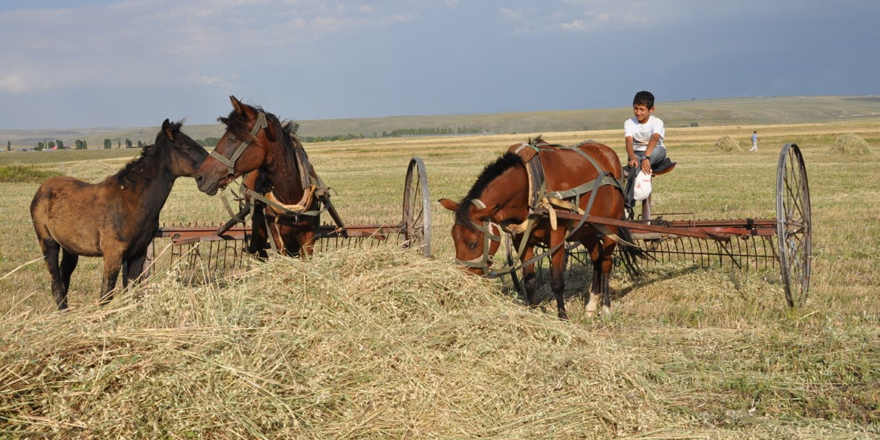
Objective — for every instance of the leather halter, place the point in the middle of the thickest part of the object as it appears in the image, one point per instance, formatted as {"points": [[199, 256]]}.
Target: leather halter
{"points": [[239, 150], [485, 260]]}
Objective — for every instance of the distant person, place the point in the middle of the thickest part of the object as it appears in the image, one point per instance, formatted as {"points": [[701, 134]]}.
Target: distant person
{"points": [[644, 135], [754, 141]]}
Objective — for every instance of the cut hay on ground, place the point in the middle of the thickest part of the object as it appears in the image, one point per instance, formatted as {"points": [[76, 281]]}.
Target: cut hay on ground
{"points": [[368, 343], [850, 144], [381, 343], [726, 144]]}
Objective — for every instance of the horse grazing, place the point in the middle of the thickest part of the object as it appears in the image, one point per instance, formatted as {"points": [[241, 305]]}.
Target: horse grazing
{"points": [[584, 179], [115, 219], [256, 142]]}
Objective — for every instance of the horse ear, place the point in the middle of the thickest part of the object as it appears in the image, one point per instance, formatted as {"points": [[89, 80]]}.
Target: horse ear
{"points": [[449, 204], [168, 129], [236, 104]]}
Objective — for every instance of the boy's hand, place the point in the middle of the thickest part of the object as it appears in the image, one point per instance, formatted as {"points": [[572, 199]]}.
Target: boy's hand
{"points": [[646, 166], [633, 162]]}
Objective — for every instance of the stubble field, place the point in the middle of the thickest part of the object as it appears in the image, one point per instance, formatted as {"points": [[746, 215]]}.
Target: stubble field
{"points": [[366, 343]]}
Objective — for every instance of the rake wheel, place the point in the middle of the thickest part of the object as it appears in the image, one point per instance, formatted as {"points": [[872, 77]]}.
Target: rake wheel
{"points": [[793, 224], [417, 207]]}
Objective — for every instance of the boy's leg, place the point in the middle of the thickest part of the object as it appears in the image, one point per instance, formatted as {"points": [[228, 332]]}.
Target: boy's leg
{"points": [[657, 155]]}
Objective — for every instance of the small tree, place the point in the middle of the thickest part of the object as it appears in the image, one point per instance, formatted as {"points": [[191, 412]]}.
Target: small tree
{"points": [[128, 143], [78, 144], [107, 143], [8, 145], [140, 144], [40, 146], [60, 144]]}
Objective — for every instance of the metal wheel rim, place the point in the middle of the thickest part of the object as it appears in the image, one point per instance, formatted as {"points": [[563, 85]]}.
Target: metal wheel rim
{"points": [[417, 207], [793, 225]]}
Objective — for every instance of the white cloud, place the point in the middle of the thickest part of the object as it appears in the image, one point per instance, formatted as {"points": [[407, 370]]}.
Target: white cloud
{"points": [[13, 84]]}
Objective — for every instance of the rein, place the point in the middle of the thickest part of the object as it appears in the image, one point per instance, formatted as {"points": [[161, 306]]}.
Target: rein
{"points": [[239, 150]]}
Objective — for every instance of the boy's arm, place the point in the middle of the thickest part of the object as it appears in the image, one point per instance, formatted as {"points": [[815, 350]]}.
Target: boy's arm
{"points": [[646, 164], [633, 161]]}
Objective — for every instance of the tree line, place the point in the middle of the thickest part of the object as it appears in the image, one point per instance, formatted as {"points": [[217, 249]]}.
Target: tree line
{"points": [[212, 141]]}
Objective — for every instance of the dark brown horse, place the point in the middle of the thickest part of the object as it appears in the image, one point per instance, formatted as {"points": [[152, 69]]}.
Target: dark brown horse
{"points": [[256, 141], [115, 219], [501, 200]]}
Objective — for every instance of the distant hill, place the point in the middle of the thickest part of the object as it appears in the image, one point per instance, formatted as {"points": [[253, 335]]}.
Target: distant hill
{"points": [[710, 112]]}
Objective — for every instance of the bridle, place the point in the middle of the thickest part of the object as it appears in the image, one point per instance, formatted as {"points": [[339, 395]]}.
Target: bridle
{"points": [[484, 261], [239, 150]]}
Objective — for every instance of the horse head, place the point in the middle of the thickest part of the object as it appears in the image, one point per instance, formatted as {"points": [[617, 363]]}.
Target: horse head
{"points": [[475, 235], [186, 155], [241, 149]]}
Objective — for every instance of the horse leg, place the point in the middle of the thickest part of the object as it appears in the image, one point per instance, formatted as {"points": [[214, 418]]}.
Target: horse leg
{"points": [[603, 262], [133, 268], [557, 274], [603, 269], [68, 264], [259, 234], [51, 250], [112, 266], [530, 279], [591, 244], [306, 241]]}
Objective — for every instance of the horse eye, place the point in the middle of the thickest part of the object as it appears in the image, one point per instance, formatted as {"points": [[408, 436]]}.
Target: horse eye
{"points": [[472, 245]]}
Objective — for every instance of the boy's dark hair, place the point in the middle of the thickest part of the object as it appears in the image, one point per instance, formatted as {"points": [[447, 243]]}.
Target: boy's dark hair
{"points": [[644, 98]]}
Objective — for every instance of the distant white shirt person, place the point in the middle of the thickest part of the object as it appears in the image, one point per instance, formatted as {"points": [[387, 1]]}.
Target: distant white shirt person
{"points": [[754, 141]]}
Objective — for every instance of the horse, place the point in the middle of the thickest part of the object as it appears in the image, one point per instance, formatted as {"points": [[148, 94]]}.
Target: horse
{"points": [[503, 198], [257, 143], [115, 219]]}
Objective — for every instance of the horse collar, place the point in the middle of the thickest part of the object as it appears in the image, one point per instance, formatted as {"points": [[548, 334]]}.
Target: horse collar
{"points": [[239, 150]]}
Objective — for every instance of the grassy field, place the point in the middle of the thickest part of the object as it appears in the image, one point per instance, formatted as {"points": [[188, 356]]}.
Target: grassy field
{"points": [[708, 112], [381, 343]]}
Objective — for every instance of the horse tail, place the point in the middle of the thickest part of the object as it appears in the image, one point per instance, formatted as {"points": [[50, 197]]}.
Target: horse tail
{"points": [[630, 253]]}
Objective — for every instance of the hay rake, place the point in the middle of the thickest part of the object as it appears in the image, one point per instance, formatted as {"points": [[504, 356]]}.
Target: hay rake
{"points": [[208, 252], [784, 241]]}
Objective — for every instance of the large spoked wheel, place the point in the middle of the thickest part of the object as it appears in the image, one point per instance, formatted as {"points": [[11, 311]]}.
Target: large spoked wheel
{"points": [[793, 224], [417, 207]]}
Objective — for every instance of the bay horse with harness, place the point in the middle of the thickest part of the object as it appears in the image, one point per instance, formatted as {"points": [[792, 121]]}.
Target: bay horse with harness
{"points": [[115, 219], [520, 193], [281, 187]]}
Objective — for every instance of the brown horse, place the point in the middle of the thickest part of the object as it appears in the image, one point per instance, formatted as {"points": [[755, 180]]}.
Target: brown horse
{"points": [[256, 140], [501, 199], [116, 218]]}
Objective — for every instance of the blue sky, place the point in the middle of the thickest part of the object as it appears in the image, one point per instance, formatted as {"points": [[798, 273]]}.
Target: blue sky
{"points": [[103, 63]]}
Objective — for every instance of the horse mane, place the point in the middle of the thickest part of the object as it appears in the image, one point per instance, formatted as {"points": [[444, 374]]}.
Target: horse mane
{"points": [[489, 173], [141, 168], [236, 123]]}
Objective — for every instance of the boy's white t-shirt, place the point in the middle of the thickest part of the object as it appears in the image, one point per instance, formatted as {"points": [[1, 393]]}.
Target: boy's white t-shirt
{"points": [[641, 133]]}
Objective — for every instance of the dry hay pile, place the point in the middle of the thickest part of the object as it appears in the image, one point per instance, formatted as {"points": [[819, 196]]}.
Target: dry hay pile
{"points": [[89, 171], [850, 144], [358, 343], [726, 144]]}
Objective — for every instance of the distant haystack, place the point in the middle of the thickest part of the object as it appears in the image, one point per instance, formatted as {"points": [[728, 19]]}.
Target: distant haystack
{"points": [[850, 144], [726, 144]]}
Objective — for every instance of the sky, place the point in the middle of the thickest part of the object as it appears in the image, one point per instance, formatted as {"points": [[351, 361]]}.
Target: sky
{"points": [[133, 63]]}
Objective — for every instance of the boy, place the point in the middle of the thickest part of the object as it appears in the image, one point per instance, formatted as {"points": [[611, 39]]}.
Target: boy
{"points": [[644, 135], [754, 141]]}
